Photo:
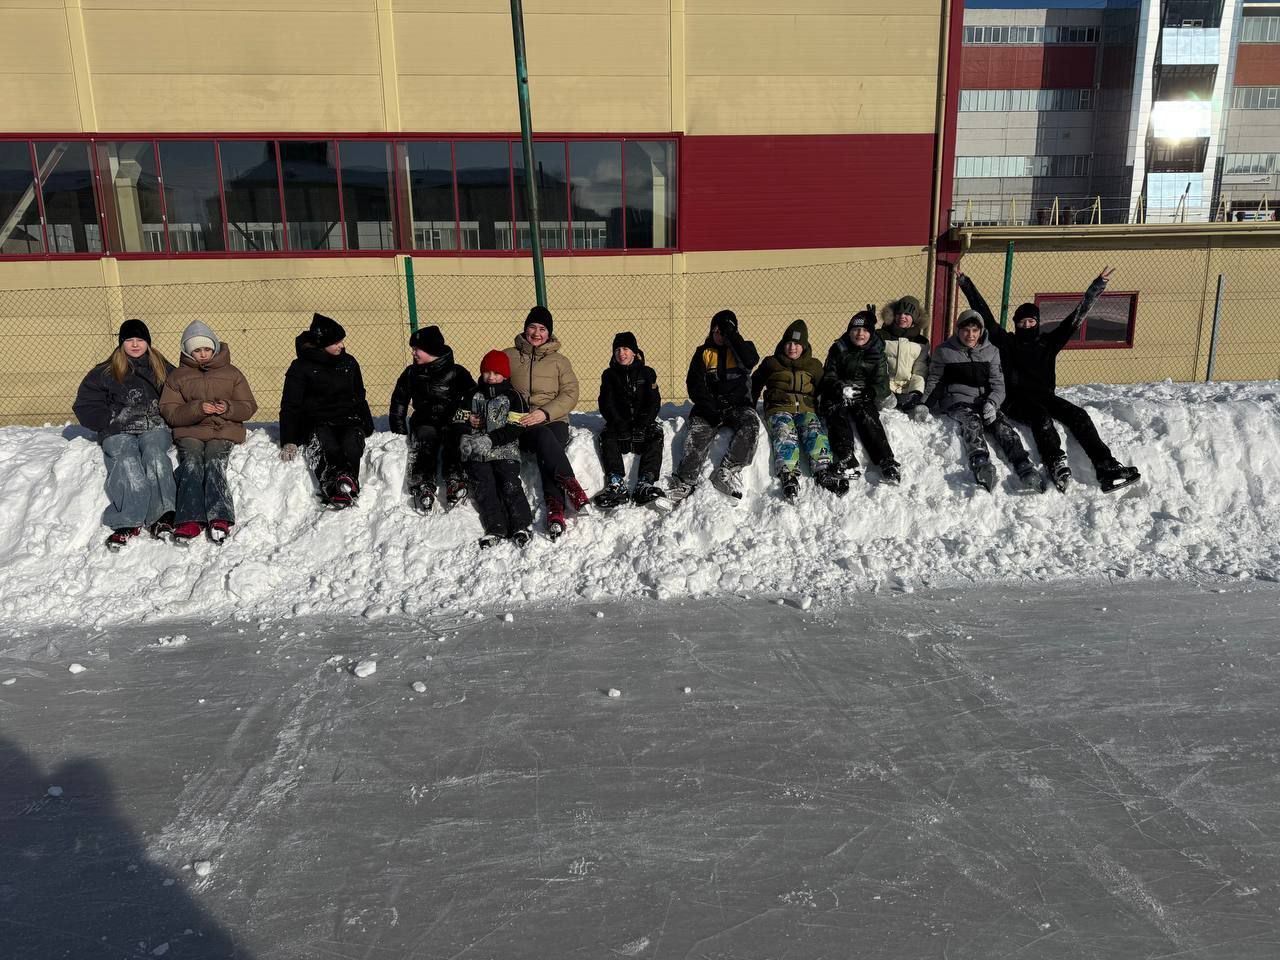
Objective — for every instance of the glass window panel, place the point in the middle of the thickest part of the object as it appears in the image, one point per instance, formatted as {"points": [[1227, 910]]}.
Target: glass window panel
{"points": [[595, 194], [189, 173], [70, 212], [1108, 320], [552, 182], [431, 206], [484, 194], [131, 196], [651, 193], [251, 186], [310, 174], [368, 194], [19, 212]]}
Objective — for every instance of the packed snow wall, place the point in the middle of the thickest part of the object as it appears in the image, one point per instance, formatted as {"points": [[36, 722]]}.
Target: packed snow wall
{"points": [[1208, 506]]}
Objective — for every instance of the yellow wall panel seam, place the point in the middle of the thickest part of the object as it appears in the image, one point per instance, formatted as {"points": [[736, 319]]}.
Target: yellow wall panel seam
{"points": [[387, 60], [79, 47], [676, 68]]}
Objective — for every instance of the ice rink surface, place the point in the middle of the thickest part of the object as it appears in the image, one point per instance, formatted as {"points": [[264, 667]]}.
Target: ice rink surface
{"points": [[1030, 771]]}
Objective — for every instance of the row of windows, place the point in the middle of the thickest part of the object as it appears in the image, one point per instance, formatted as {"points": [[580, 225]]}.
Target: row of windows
{"points": [[1055, 166], [1260, 30], [265, 196], [997, 34], [1250, 163], [1005, 101], [1256, 98]]}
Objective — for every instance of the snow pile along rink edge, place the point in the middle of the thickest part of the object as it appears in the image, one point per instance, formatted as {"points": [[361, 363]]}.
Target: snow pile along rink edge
{"points": [[1208, 505]]}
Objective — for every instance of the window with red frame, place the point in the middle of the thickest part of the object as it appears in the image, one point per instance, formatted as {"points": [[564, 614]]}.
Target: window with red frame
{"points": [[1109, 324], [236, 195]]}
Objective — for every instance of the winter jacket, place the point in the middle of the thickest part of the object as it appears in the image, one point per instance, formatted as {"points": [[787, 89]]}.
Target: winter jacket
{"points": [[195, 383], [498, 438], [719, 378], [959, 375], [863, 368], [321, 388], [437, 391], [906, 351], [108, 406], [790, 386], [1029, 357], [629, 397], [544, 377]]}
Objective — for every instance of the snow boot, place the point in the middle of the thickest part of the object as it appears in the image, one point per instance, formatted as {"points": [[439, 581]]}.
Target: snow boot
{"points": [[1112, 475], [847, 468], [219, 531], [489, 540], [555, 517], [1060, 472], [162, 529], [984, 474], [615, 494], [522, 537], [424, 498], [649, 494], [678, 489], [340, 493], [790, 480], [184, 533], [1031, 478], [573, 492], [889, 472], [456, 491], [833, 481], [728, 480], [121, 536]]}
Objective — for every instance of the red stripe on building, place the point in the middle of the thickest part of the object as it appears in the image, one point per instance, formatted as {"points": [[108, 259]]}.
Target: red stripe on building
{"points": [[781, 193], [1000, 67], [1257, 65]]}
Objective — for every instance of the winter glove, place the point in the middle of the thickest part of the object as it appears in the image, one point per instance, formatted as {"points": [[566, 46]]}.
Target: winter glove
{"points": [[919, 413], [888, 403], [989, 412], [909, 400], [288, 452], [475, 446]]}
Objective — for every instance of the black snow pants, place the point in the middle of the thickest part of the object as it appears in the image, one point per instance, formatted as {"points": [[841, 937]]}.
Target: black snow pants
{"points": [[499, 496], [647, 443], [861, 418], [973, 433], [547, 442], [337, 450], [746, 428], [1039, 413], [427, 441]]}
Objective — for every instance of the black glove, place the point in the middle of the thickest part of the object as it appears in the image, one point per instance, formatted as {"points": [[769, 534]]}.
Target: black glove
{"points": [[909, 400]]}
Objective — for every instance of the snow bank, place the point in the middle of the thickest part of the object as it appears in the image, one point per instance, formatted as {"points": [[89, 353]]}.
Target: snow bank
{"points": [[1209, 504]]}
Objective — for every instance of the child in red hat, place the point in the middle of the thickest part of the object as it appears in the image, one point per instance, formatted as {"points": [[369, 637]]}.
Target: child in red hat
{"points": [[491, 454]]}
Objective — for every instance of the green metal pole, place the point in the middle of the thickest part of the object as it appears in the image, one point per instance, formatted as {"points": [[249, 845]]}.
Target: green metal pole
{"points": [[1008, 283], [526, 140], [411, 293]]}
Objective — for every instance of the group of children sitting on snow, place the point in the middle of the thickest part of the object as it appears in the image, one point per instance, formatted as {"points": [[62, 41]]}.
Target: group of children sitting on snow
{"points": [[981, 377]]}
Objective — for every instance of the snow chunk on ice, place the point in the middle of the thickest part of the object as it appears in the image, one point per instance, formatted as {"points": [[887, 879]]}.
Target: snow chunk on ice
{"points": [[615, 692], [365, 668], [508, 617], [11, 681], [54, 791], [161, 950], [419, 686], [202, 868], [76, 668]]}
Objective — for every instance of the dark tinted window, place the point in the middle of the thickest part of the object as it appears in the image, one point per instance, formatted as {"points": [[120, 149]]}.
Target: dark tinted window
{"points": [[70, 213], [20, 229], [190, 176], [484, 194], [551, 180], [131, 196], [431, 195], [595, 194], [367, 195], [310, 173], [651, 193], [251, 186]]}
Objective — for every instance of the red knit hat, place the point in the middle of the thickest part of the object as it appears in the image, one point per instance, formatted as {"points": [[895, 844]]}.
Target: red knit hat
{"points": [[495, 361]]}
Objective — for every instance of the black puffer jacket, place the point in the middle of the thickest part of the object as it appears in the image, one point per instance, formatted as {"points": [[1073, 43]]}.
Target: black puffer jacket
{"points": [[1030, 358], [863, 368], [321, 388], [437, 390], [108, 406], [719, 378], [629, 398]]}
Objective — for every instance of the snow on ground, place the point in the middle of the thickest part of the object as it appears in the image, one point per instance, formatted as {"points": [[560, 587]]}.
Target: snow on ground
{"points": [[1209, 505]]}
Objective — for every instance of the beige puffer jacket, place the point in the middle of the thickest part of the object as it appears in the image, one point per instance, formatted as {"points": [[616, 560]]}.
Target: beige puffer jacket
{"points": [[906, 351], [193, 384], [544, 377]]}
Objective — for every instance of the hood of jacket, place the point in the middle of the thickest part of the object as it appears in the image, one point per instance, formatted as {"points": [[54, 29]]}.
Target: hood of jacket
{"points": [[796, 327], [220, 359], [305, 346], [198, 328], [890, 312]]}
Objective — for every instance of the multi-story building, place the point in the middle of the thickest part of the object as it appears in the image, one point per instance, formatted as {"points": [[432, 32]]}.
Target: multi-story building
{"points": [[1249, 170]]}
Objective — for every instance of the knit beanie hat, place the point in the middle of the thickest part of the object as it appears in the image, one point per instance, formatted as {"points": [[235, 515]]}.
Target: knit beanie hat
{"points": [[1027, 310], [539, 315], [797, 332], [134, 328], [429, 340], [863, 319], [495, 361], [970, 318], [724, 321], [199, 334], [326, 331], [907, 306], [626, 339]]}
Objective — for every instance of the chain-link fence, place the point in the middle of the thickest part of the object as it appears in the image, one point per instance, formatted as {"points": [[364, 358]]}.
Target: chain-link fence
{"points": [[1159, 327]]}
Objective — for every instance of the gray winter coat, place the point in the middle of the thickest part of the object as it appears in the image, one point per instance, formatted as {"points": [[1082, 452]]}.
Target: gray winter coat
{"points": [[958, 375]]}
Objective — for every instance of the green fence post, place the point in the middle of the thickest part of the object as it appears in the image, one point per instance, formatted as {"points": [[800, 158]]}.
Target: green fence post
{"points": [[411, 293], [1008, 283]]}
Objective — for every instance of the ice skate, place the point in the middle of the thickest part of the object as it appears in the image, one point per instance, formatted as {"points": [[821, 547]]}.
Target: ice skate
{"points": [[832, 481], [522, 537], [455, 491], [489, 540], [678, 489], [890, 473], [984, 473], [790, 481], [555, 518], [614, 495], [119, 537], [728, 480], [1030, 478], [162, 529], [424, 498], [1060, 473], [219, 531], [573, 492], [1112, 475]]}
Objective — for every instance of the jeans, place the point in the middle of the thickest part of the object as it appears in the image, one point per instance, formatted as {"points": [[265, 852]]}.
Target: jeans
{"points": [[140, 484], [789, 431], [203, 493], [742, 447]]}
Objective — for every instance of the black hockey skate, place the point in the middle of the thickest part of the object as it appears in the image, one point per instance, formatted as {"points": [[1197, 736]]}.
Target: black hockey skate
{"points": [[489, 540], [614, 495], [678, 489], [1030, 478], [162, 529], [832, 480], [984, 474], [1060, 473], [521, 537], [649, 494], [790, 480], [890, 473], [120, 537], [1112, 475], [456, 491], [424, 498]]}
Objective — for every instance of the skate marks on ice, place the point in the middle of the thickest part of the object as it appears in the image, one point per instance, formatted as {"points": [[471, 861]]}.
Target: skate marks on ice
{"points": [[922, 775]]}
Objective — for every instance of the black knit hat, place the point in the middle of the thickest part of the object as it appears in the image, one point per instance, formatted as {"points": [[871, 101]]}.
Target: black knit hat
{"points": [[134, 328], [1027, 310], [429, 340], [724, 320], [864, 319], [540, 315], [326, 331], [626, 339]]}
